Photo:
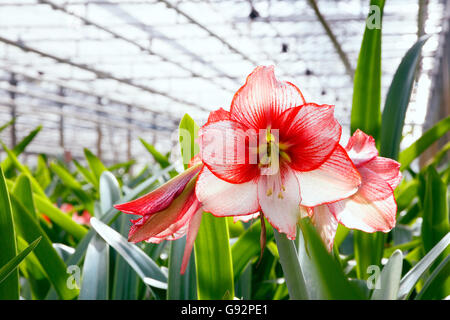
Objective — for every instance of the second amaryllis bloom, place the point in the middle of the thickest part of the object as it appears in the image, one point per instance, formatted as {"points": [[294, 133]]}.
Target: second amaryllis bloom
{"points": [[373, 207], [272, 152]]}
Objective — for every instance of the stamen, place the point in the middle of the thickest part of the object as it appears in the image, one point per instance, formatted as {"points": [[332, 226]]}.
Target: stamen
{"points": [[269, 192], [285, 156], [280, 195], [283, 146], [283, 188]]}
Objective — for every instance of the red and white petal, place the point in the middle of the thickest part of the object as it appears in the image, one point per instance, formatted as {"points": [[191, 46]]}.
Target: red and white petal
{"points": [[279, 198], [387, 169], [162, 197], [326, 225], [154, 225], [218, 115], [310, 133], [222, 198], [179, 227], [228, 149], [246, 218], [372, 208], [194, 225], [361, 148], [336, 179], [373, 186], [263, 98]]}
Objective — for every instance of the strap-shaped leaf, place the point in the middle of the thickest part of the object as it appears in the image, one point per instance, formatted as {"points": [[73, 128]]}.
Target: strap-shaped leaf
{"points": [[144, 266], [389, 281], [10, 288], [6, 270], [410, 279], [397, 101], [426, 140]]}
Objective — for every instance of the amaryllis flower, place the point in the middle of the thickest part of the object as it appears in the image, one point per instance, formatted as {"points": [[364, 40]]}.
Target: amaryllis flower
{"points": [[373, 207], [272, 152], [168, 213], [83, 219]]}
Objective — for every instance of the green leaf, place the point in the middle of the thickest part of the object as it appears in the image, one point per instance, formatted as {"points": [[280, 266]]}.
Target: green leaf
{"points": [[341, 233], [95, 285], [9, 289], [181, 286], [35, 185], [6, 125], [122, 165], [125, 278], [42, 173], [95, 164], [44, 206], [145, 267], [293, 274], [368, 249], [36, 276], [405, 194], [435, 215], [213, 258], [12, 265], [367, 82], [440, 155], [323, 274], [424, 142], [159, 158], [433, 284], [244, 285], [410, 279], [22, 189], [109, 191], [397, 101], [88, 175], [248, 247], [95, 271], [51, 262], [67, 179], [188, 135], [390, 277], [19, 148]]}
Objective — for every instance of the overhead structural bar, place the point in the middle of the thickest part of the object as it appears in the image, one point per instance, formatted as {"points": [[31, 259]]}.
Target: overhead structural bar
{"points": [[99, 73], [132, 42], [341, 53], [65, 85], [209, 31], [61, 100], [124, 15]]}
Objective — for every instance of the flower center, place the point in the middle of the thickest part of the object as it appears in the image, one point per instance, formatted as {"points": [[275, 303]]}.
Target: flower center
{"points": [[271, 152]]}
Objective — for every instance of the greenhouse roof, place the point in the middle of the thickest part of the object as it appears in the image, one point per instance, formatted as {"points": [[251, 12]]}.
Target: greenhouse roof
{"points": [[100, 74]]}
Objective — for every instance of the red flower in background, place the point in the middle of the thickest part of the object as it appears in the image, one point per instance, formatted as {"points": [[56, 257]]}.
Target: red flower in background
{"points": [[373, 207], [84, 218]]}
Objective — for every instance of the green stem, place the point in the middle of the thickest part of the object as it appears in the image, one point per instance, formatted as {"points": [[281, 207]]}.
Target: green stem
{"points": [[291, 267]]}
